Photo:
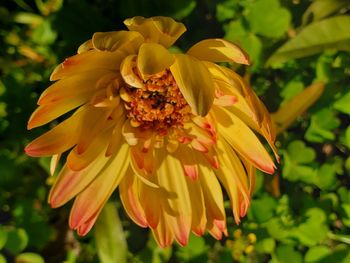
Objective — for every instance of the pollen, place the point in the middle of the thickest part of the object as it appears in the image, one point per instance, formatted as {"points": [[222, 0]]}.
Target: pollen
{"points": [[158, 105]]}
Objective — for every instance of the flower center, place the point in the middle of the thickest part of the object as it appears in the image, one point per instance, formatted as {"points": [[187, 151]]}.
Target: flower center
{"points": [[158, 105]]}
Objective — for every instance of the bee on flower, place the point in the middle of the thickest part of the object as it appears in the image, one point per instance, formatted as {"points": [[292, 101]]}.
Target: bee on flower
{"points": [[166, 130]]}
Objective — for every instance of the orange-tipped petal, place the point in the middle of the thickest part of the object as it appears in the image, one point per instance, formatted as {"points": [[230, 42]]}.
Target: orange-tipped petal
{"points": [[219, 50], [88, 61], [92, 199], [163, 233], [60, 138], [243, 140], [177, 196], [69, 183], [212, 192], [128, 190]]}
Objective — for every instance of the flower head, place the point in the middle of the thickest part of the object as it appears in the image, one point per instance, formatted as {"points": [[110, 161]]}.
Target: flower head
{"points": [[165, 129]]}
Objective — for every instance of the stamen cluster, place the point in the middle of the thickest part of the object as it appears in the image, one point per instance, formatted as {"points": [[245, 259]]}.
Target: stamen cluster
{"points": [[158, 105]]}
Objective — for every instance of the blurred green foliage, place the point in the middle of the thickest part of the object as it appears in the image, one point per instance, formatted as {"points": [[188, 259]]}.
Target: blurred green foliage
{"points": [[301, 214]]}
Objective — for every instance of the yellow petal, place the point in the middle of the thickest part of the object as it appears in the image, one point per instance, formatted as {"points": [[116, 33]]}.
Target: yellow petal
{"points": [[125, 41], [60, 138], [78, 161], [88, 61], [247, 106], [195, 83], [92, 198], [212, 192], [296, 106], [153, 58], [128, 190], [69, 183], [177, 196], [234, 178], [199, 218], [92, 125], [158, 29], [243, 140], [218, 50], [163, 233], [127, 71], [86, 46]]}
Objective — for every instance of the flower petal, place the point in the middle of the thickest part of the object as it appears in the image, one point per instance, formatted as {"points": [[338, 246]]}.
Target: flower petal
{"points": [[163, 233], [218, 50], [158, 29], [87, 61], [243, 140], [78, 161], [128, 190], [234, 178], [127, 71], [195, 83], [177, 196], [153, 58], [212, 192], [60, 138], [125, 41], [69, 183], [92, 199]]}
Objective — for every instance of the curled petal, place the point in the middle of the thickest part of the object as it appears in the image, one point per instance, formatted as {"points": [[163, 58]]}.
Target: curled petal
{"points": [[218, 50], [125, 41], [86, 46], [158, 29], [127, 71], [195, 83], [153, 58]]}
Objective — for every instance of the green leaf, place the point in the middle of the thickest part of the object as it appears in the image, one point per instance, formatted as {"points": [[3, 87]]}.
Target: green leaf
{"points": [[314, 230], [345, 214], [109, 235], [268, 18], [343, 104], [292, 88], [17, 240], [327, 176], [236, 32], [29, 258], [225, 10], [195, 248], [314, 254], [346, 138], [2, 259], [296, 160], [3, 237], [322, 125], [331, 33], [265, 246], [263, 208], [322, 8], [287, 254]]}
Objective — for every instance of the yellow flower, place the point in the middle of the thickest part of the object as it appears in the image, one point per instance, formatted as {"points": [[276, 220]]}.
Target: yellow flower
{"points": [[166, 129]]}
